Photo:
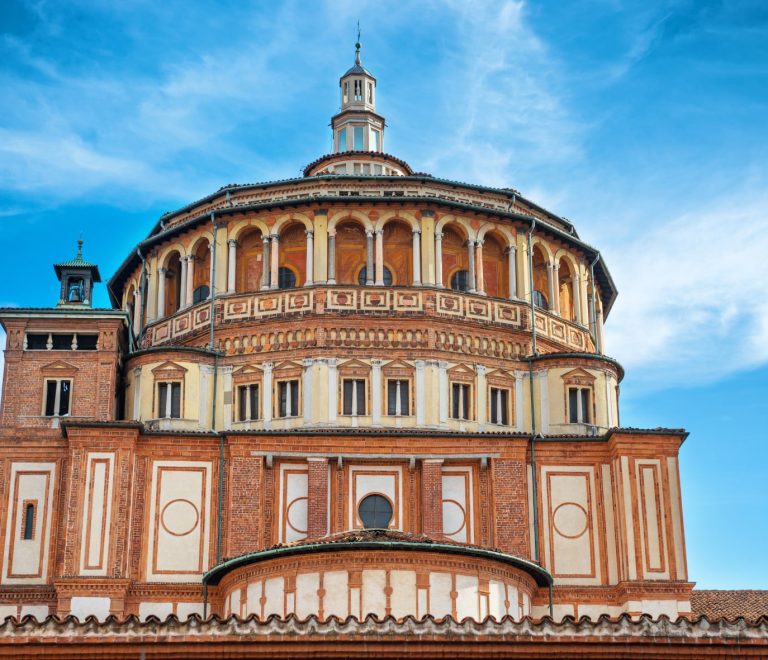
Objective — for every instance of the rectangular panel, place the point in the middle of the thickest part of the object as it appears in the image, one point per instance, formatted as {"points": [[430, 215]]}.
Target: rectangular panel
{"points": [[375, 299], [379, 479], [652, 523], [239, 308], [570, 525], [268, 304], [292, 516], [458, 504], [507, 314], [179, 521], [449, 304], [26, 559], [408, 301], [97, 511], [341, 299]]}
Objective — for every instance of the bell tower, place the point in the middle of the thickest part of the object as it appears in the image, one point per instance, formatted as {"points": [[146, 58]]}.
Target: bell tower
{"points": [[77, 278], [357, 127]]}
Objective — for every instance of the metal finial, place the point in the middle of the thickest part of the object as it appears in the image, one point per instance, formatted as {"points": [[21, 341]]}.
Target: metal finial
{"points": [[80, 248], [357, 45]]}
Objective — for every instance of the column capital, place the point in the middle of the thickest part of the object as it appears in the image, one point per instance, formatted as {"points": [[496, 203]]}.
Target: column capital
{"points": [[267, 366], [416, 231], [275, 237], [438, 236], [308, 362], [379, 232], [162, 271], [511, 249], [481, 369], [377, 363], [332, 232], [310, 233], [232, 242], [419, 364], [137, 371], [479, 242], [265, 239], [369, 233]]}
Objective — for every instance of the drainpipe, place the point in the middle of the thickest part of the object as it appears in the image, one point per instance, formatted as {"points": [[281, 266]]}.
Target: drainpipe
{"points": [[220, 498], [143, 286], [534, 352], [594, 303]]}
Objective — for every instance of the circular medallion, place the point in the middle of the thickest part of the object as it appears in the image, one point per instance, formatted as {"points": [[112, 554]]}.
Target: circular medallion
{"points": [[454, 517], [570, 520], [179, 517]]}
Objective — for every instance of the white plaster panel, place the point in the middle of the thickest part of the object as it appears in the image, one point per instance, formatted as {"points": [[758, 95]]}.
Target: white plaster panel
{"points": [[374, 599], [294, 489], [252, 597], [467, 597], [307, 600], [610, 526], [440, 585], [26, 561], [336, 600], [458, 504], [40, 612], [403, 599], [8, 610], [85, 606], [180, 521], [496, 597], [161, 610], [97, 513], [274, 591], [653, 533], [677, 520], [186, 610]]}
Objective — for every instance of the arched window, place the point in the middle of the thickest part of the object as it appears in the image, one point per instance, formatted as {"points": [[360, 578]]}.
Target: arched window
{"points": [[375, 511], [363, 276], [75, 289], [540, 300], [460, 280], [200, 294], [286, 279]]}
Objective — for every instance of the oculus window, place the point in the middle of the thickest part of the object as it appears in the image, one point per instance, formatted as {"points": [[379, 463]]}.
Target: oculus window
{"points": [[375, 511]]}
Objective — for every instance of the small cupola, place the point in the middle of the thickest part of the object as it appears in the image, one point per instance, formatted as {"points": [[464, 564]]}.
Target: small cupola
{"points": [[357, 127], [77, 278]]}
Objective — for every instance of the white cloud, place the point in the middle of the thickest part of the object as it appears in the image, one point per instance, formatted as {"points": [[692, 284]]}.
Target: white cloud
{"points": [[691, 306]]}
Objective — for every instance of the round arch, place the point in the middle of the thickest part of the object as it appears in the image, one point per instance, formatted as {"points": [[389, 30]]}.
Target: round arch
{"points": [[339, 217]]}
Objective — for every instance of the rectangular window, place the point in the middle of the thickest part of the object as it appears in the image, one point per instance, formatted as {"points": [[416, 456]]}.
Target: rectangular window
{"points": [[370, 93], [28, 528], [358, 84], [376, 141], [358, 138], [62, 342], [579, 405], [169, 400], [353, 397], [397, 398], [460, 408], [37, 342], [248, 402], [499, 406], [343, 139], [58, 395], [288, 398]]}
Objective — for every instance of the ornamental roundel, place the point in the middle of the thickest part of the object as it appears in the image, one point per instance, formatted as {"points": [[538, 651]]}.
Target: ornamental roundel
{"points": [[570, 520], [454, 518], [296, 515], [179, 517]]}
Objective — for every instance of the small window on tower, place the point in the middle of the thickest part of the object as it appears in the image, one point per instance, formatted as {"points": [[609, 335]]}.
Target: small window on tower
{"points": [[370, 93], [288, 398], [28, 529], [169, 400], [57, 397], [75, 290], [376, 135], [345, 99], [354, 397], [248, 402], [343, 139], [358, 90], [359, 138]]}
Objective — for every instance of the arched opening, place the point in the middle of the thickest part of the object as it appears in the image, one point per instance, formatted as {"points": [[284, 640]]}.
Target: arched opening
{"points": [[130, 305], [540, 282], [172, 285], [363, 276], [565, 290], [75, 289], [286, 278], [495, 268], [249, 264], [455, 259], [398, 252], [202, 273], [293, 253], [350, 252]]}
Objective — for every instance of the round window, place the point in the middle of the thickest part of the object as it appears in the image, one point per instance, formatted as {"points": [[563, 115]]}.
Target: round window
{"points": [[375, 511]]}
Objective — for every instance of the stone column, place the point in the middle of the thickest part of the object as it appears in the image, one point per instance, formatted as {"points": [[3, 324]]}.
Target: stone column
{"points": [[482, 396], [471, 269], [512, 265], [317, 497], [183, 287], [480, 279], [600, 330], [204, 410], [331, 256], [161, 292], [265, 263], [274, 258], [576, 287], [432, 497], [556, 287], [376, 392], [137, 312], [190, 279], [333, 390], [369, 258], [310, 263], [420, 402], [307, 387], [439, 259], [137, 394], [443, 394], [551, 286], [379, 257], [416, 249], [231, 265], [266, 395], [229, 396]]}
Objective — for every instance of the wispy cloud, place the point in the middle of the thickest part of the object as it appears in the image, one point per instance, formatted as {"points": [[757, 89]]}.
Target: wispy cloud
{"points": [[692, 303]]}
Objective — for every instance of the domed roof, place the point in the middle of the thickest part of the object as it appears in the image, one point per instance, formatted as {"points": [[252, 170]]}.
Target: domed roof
{"points": [[357, 68]]}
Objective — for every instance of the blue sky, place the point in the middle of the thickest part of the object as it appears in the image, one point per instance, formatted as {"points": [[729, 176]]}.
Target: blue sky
{"points": [[643, 122]]}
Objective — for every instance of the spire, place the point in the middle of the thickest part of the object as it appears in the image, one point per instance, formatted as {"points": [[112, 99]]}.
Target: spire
{"points": [[357, 46]]}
